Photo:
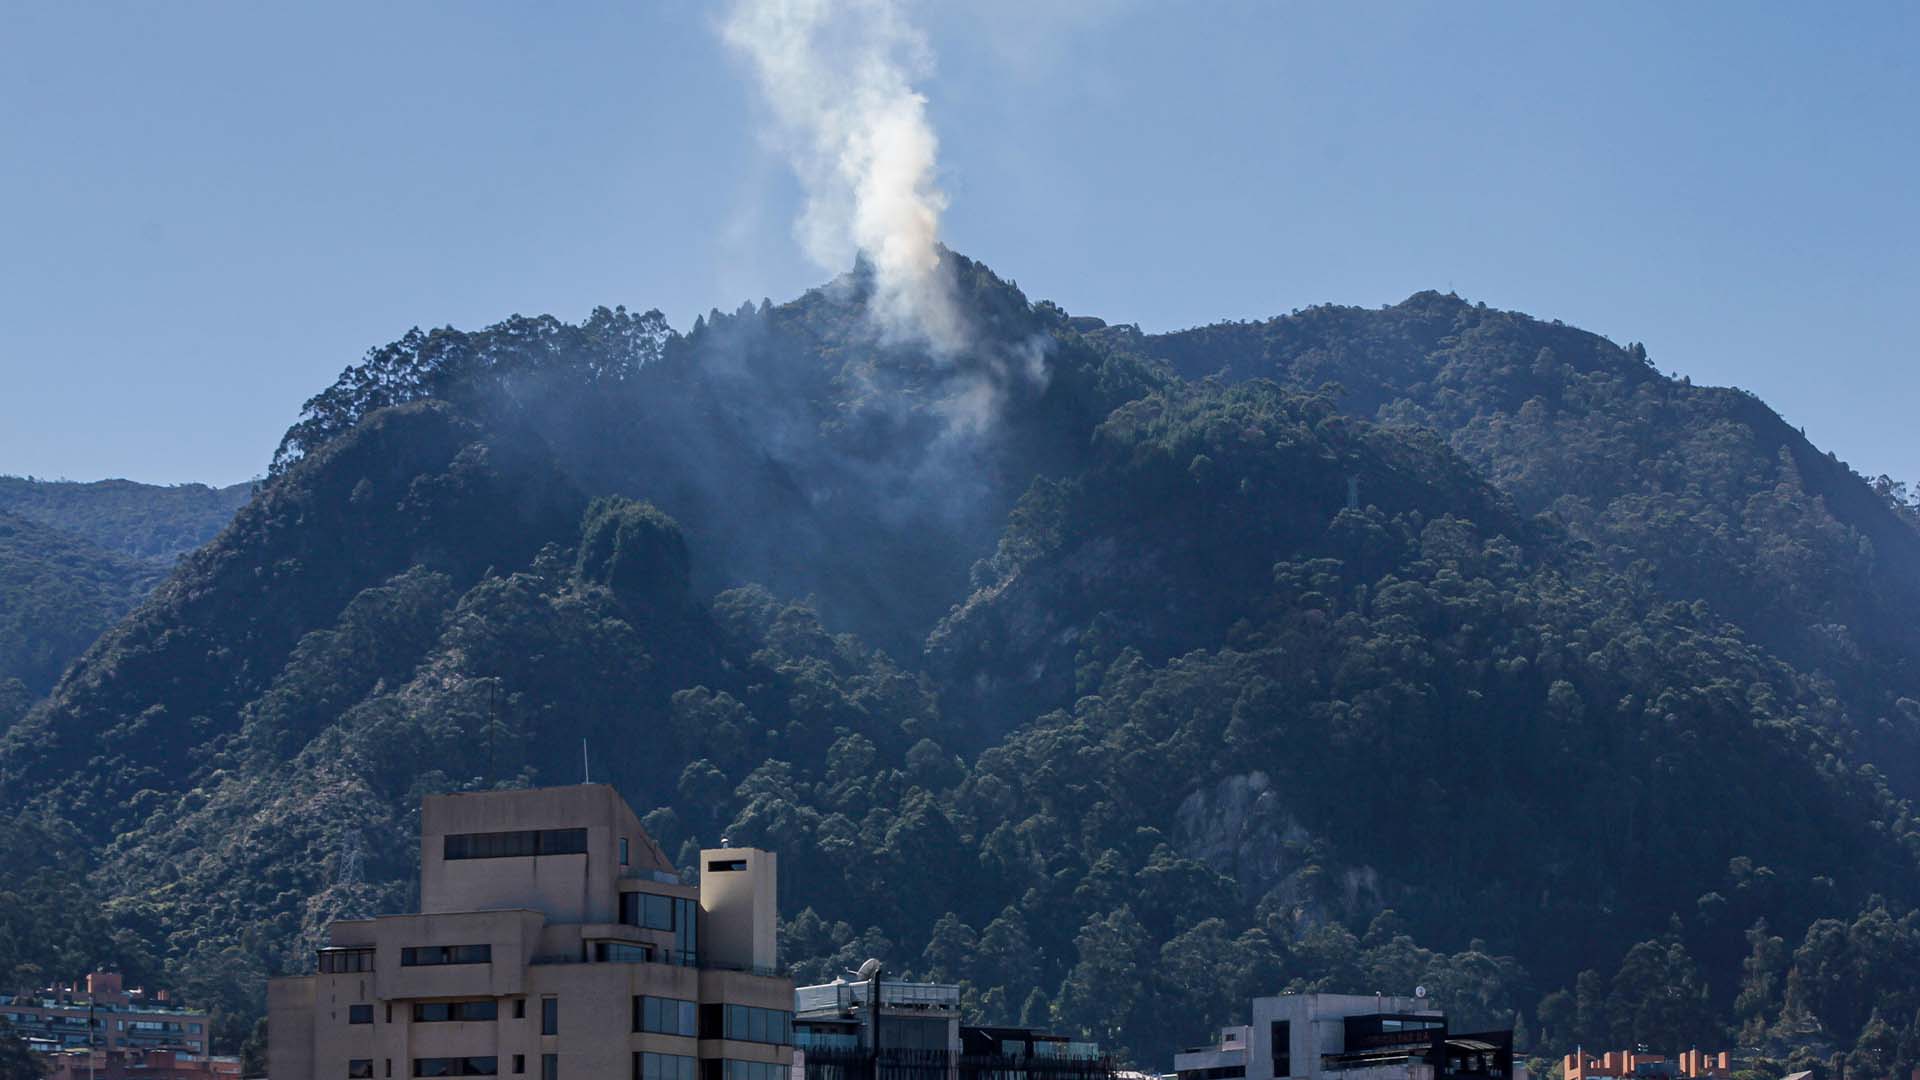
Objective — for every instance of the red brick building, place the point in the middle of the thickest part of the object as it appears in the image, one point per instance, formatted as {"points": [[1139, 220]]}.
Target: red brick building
{"points": [[1638, 1065], [105, 1015]]}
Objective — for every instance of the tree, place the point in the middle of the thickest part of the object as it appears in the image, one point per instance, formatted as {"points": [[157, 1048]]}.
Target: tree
{"points": [[950, 950], [1104, 988], [636, 551], [1659, 998], [1761, 974], [16, 1061]]}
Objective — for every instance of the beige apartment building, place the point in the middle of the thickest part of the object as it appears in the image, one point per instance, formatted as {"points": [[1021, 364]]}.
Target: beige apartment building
{"points": [[554, 940]]}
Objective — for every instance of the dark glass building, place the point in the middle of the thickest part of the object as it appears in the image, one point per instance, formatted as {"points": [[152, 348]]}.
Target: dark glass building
{"points": [[920, 1036]]}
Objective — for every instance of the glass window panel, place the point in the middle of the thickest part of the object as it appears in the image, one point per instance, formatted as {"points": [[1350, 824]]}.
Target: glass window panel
{"points": [[659, 912]]}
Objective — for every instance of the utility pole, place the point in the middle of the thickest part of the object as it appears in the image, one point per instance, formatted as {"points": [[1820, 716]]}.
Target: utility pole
{"points": [[873, 1005], [90, 1062], [493, 721]]}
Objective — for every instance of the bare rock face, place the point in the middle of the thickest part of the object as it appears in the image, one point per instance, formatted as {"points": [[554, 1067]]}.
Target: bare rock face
{"points": [[1015, 641], [1241, 828]]}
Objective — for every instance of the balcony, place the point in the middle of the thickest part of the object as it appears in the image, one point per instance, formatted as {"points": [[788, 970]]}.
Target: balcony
{"points": [[667, 957], [658, 877], [826, 1040]]}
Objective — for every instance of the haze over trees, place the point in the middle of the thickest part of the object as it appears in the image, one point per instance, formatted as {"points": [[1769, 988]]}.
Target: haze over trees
{"points": [[1118, 677]]}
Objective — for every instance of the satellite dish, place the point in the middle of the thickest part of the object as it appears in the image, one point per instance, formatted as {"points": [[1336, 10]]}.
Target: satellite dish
{"points": [[1419, 991], [869, 969]]}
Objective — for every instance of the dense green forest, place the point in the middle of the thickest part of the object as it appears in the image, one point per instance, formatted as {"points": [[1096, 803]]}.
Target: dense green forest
{"points": [[1118, 677], [145, 521], [57, 593], [74, 558]]}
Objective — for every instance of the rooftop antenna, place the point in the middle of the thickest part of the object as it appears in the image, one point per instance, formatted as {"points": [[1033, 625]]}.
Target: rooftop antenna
{"points": [[586, 771]]}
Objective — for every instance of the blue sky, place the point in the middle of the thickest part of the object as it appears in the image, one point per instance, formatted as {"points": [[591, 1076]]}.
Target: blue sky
{"points": [[207, 210]]}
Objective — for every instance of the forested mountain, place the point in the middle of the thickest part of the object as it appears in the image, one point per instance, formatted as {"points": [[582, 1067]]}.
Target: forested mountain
{"points": [[1117, 676], [74, 558], [1705, 486], [145, 521], [57, 593]]}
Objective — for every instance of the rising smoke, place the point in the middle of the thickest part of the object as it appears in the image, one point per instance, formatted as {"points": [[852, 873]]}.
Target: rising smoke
{"points": [[838, 76]]}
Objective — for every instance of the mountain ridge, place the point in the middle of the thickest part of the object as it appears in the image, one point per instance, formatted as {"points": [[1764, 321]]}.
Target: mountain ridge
{"points": [[1165, 608]]}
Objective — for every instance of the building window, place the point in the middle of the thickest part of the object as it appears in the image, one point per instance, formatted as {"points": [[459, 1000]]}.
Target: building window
{"points": [[342, 961], [666, 1016], [519, 1063], [436, 1012], [623, 851], [650, 910], [360, 1069], [431, 955], [456, 1066], [549, 1067], [356, 1014], [915, 1033], [195, 1028], [748, 1024], [1281, 1032], [515, 845], [519, 1008], [663, 1067], [655, 912], [549, 1016], [751, 1070], [622, 952]]}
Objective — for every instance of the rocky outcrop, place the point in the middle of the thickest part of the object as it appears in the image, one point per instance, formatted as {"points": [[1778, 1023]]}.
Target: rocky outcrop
{"points": [[1241, 828]]}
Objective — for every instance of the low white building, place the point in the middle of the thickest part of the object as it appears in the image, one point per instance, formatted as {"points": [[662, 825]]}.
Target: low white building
{"points": [[1357, 1037]]}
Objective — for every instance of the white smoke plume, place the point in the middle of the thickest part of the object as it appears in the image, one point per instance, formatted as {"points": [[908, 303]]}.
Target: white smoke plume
{"points": [[838, 76]]}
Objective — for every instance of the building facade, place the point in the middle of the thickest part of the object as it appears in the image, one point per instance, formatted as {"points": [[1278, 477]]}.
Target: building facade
{"points": [[102, 1013], [1616, 1064], [138, 1065], [554, 939], [919, 1033], [1370, 1037]]}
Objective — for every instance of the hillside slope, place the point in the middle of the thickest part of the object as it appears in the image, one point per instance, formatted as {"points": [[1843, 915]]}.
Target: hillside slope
{"points": [[57, 593], [145, 521], [1115, 693], [75, 558], [1706, 487]]}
